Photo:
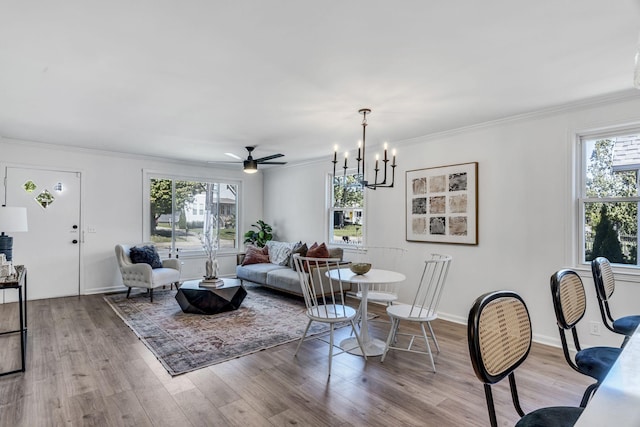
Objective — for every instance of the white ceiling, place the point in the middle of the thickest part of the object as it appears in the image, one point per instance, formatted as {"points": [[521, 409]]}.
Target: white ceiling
{"points": [[193, 79]]}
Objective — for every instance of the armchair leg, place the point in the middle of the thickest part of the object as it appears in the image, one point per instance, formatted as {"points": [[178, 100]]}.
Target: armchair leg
{"points": [[128, 292], [151, 294]]}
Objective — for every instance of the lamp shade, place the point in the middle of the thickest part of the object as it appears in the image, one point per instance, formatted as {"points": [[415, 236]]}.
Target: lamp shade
{"points": [[13, 219]]}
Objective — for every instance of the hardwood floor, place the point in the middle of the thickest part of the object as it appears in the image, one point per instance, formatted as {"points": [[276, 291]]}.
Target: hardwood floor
{"points": [[86, 367]]}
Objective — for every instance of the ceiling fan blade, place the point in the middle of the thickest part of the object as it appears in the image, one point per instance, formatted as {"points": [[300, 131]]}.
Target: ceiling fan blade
{"points": [[225, 161], [235, 156], [273, 163], [263, 159]]}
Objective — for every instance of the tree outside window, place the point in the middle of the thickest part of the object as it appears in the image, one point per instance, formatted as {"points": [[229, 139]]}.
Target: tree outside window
{"points": [[610, 198], [347, 210], [177, 222]]}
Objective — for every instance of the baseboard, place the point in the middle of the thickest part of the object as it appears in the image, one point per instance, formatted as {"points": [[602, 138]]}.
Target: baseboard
{"points": [[537, 338], [105, 290]]}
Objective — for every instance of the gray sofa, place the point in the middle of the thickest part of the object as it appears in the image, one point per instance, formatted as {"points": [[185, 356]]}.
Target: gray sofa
{"points": [[281, 277]]}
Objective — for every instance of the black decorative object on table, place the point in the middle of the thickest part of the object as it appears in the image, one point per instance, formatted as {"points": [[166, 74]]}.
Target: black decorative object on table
{"points": [[196, 299]]}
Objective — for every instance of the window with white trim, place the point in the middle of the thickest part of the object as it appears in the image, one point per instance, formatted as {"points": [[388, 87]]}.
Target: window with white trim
{"points": [[346, 212], [609, 197], [183, 212]]}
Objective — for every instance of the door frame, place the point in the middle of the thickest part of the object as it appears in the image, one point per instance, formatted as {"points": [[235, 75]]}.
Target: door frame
{"points": [[80, 172]]}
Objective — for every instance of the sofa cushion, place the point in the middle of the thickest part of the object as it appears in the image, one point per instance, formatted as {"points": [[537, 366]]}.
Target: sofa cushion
{"points": [[145, 255], [336, 253], [284, 279], [289, 281], [279, 252], [164, 275], [255, 255], [257, 273], [299, 248], [317, 251]]}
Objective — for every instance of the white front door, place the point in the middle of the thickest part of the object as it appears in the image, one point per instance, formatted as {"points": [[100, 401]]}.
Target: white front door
{"points": [[50, 250]]}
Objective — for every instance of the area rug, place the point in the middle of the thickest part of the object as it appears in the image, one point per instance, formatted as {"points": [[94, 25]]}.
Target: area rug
{"points": [[186, 342]]}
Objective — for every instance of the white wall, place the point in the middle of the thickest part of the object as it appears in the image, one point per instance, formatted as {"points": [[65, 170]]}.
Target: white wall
{"points": [[112, 202], [526, 209]]}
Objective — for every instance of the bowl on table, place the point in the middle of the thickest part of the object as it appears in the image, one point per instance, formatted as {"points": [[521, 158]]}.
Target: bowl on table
{"points": [[360, 268]]}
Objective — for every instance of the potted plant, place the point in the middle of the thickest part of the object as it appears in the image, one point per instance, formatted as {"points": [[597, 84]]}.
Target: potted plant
{"points": [[261, 237]]}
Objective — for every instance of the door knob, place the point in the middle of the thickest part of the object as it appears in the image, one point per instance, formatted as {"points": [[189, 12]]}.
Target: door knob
{"points": [[74, 241], [75, 227]]}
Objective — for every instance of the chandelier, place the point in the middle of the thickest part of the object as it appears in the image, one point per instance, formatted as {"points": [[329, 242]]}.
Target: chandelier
{"points": [[361, 161]]}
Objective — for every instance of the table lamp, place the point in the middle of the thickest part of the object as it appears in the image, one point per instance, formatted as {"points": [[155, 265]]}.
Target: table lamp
{"points": [[11, 219]]}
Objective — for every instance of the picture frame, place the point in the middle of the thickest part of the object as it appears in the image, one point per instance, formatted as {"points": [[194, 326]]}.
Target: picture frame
{"points": [[442, 204]]}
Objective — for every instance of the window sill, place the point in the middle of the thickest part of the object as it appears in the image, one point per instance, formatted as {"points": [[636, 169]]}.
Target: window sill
{"points": [[623, 274]]}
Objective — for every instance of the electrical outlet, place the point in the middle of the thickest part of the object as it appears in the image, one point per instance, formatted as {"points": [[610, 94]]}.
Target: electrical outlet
{"points": [[594, 328]]}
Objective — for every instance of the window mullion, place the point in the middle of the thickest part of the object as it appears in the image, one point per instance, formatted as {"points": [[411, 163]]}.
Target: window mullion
{"points": [[610, 199]]}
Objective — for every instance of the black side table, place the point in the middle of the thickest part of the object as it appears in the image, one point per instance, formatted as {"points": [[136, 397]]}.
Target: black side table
{"points": [[18, 281]]}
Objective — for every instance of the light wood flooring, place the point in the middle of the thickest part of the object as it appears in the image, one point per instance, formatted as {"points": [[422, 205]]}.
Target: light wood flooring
{"points": [[85, 367]]}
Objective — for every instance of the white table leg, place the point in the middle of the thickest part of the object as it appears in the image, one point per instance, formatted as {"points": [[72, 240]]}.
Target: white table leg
{"points": [[372, 346]]}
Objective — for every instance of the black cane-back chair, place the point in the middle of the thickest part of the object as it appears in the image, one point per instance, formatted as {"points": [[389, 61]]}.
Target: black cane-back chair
{"points": [[605, 285], [499, 335], [570, 304]]}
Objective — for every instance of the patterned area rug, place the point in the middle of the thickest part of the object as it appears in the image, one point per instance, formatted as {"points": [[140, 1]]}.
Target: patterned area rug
{"points": [[186, 342]]}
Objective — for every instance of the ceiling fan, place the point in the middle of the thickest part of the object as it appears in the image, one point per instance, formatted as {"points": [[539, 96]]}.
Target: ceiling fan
{"points": [[250, 165]]}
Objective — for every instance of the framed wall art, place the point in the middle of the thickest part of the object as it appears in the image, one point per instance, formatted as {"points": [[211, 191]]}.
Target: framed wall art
{"points": [[442, 204]]}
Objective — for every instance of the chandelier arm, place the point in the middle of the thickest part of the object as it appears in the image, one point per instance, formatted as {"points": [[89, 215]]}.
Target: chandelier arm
{"points": [[362, 158]]}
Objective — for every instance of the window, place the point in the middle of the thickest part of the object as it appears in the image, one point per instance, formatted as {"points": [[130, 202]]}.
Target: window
{"points": [[609, 198], [181, 212], [346, 214]]}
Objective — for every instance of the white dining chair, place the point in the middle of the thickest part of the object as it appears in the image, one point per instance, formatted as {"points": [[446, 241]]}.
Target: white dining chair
{"points": [[325, 299], [422, 310]]}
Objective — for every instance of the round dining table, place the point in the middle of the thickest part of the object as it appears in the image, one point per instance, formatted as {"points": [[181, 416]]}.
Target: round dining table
{"points": [[372, 346]]}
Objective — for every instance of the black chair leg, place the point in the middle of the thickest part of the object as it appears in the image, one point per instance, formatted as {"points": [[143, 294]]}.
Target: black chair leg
{"points": [[587, 394], [128, 292], [151, 294], [624, 342]]}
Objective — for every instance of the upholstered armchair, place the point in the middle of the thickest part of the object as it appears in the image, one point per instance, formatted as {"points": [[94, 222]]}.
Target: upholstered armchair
{"points": [[142, 275]]}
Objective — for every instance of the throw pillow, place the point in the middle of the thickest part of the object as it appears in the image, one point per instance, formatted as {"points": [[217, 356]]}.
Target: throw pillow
{"points": [[255, 255], [145, 254], [316, 251], [279, 252], [299, 248]]}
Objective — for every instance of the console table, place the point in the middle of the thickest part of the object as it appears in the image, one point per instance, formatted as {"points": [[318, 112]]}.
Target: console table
{"points": [[18, 281]]}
